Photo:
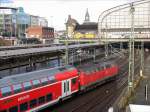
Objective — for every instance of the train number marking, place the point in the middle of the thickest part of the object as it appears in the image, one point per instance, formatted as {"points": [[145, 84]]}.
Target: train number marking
{"points": [[23, 97]]}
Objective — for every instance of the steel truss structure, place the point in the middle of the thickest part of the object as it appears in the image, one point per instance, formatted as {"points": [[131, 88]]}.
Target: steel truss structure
{"points": [[117, 21], [131, 20]]}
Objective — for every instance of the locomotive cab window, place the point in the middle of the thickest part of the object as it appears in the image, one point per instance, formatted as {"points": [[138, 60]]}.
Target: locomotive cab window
{"points": [[27, 85], [13, 109], [17, 88], [23, 107], [73, 81], [6, 91]]}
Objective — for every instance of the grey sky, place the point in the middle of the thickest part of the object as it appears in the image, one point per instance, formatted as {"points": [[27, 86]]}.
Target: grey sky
{"points": [[57, 11]]}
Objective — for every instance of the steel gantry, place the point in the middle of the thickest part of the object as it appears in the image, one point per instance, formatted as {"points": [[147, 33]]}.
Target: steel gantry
{"points": [[142, 59], [131, 51], [129, 21]]}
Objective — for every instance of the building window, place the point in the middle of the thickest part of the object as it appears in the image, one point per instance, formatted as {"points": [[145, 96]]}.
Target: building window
{"points": [[23, 107], [41, 100], [33, 103], [13, 109], [49, 97]]}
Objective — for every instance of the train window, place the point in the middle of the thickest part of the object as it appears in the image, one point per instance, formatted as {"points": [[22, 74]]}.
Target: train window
{"points": [[51, 79], [6, 91], [67, 85], [98, 69], [112, 65], [62, 68], [104, 67], [48, 97], [36, 83], [13, 109], [41, 100], [64, 87], [17, 88], [27, 85], [87, 72], [107, 66], [44, 81], [73, 81], [23, 107], [33, 103]]}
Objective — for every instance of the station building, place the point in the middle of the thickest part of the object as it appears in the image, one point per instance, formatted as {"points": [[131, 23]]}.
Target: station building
{"points": [[87, 29], [70, 26]]}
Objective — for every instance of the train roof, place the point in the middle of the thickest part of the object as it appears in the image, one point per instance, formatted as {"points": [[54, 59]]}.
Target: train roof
{"points": [[19, 78], [93, 66]]}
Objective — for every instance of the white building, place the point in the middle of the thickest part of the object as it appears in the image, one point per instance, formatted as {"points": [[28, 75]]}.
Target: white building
{"points": [[43, 22]]}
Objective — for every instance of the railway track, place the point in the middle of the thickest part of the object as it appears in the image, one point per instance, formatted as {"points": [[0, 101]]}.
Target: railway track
{"points": [[96, 100], [101, 103], [122, 82], [99, 99], [87, 100]]}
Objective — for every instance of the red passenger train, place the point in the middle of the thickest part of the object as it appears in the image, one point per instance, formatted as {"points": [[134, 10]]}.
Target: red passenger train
{"points": [[33, 91]]}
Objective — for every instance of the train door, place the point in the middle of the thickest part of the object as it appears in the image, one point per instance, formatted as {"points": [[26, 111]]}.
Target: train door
{"points": [[66, 88]]}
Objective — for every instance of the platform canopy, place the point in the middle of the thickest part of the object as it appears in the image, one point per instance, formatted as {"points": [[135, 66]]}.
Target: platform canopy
{"points": [[117, 21]]}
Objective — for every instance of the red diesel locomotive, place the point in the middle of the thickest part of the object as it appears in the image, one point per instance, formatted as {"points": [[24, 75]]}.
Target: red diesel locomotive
{"points": [[33, 91]]}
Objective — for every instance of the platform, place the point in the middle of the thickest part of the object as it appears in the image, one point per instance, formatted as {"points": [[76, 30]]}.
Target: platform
{"points": [[142, 94], [30, 51]]}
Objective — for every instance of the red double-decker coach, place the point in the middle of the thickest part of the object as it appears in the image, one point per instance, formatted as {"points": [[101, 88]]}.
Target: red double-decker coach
{"points": [[35, 90], [30, 92]]}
